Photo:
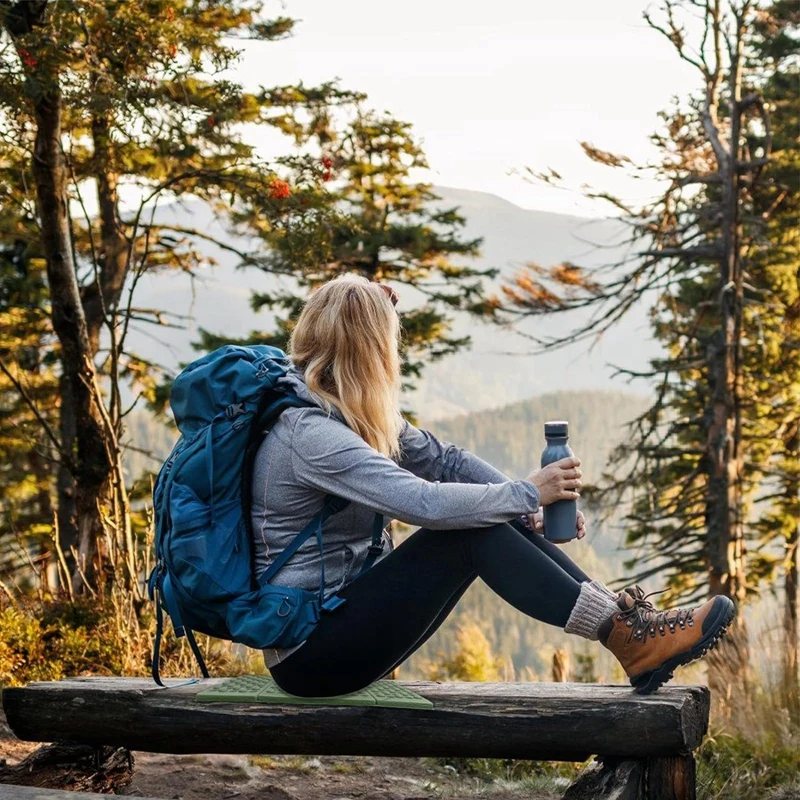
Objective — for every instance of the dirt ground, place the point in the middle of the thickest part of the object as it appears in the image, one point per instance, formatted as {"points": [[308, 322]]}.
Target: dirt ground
{"points": [[215, 777], [323, 778]]}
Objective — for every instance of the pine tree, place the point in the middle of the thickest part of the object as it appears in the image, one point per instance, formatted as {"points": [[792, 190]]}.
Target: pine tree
{"points": [[27, 385], [95, 96], [775, 262], [385, 226], [698, 456]]}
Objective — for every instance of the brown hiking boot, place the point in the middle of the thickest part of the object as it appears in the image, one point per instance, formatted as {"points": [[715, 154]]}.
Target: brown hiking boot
{"points": [[650, 643]]}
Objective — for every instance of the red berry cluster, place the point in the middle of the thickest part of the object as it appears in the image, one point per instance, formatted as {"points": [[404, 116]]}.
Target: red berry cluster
{"points": [[27, 59], [278, 189], [327, 163]]}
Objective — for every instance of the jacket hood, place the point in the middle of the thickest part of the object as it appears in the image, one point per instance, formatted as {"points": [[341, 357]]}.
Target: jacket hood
{"points": [[295, 381]]}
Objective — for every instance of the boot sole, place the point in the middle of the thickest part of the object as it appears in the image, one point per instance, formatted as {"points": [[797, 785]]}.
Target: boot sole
{"points": [[718, 622]]}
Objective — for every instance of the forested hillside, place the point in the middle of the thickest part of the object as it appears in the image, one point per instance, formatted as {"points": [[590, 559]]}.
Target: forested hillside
{"points": [[495, 370], [512, 439]]}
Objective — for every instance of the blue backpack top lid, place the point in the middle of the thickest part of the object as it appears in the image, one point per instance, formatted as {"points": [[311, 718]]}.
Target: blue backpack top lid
{"points": [[224, 404], [230, 376]]}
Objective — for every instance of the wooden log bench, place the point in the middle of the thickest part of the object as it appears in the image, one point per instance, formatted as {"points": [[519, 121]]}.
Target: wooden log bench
{"points": [[643, 745]]}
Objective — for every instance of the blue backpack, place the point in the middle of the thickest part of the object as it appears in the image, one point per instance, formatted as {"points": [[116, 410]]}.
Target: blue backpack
{"points": [[224, 405]]}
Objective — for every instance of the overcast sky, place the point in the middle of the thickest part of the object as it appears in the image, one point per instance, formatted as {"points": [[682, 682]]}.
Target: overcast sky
{"points": [[492, 86]]}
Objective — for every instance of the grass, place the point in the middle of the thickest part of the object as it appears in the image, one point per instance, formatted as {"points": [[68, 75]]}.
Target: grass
{"points": [[300, 764], [753, 750], [349, 768], [736, 767], [788, 792], [507, 770]]}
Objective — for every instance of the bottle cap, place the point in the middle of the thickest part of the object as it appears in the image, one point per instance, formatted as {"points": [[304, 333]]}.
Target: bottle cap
{"points": [[556, 430]]}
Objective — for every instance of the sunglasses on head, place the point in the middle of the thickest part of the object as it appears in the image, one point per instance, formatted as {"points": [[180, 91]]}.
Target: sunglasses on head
{"points": [[390, 293]]}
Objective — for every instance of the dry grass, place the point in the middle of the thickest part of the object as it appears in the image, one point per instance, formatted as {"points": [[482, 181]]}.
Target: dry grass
{"points": [[753, 750]]}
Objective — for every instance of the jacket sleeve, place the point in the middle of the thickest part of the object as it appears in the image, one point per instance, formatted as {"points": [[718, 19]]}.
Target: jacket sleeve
{"points": [[430, 458], [329, 457]]}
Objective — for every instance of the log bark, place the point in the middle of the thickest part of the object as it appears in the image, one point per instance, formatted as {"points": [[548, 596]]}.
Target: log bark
{"points": [[611, 779], [566, 721], [71, 766], [669, 778]]}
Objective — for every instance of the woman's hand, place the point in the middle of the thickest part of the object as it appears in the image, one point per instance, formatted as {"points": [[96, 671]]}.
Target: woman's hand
{"points": [[536, 521], [558, 481]]}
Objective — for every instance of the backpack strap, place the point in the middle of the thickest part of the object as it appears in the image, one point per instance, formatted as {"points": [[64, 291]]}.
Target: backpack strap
{"points": [[374, 550], [376, 546], [314, 527], [160, 588], [330, 505]]}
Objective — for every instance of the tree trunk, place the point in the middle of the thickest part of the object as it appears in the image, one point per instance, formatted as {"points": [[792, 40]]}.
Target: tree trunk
{"points": [[42, 472], [88, 460], [792, 510], [101, 301], [730, 666], [66, 516], [102, 296], [561, 670]]}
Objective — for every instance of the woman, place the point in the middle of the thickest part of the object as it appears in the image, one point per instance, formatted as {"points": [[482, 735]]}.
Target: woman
{"points": [[353, 443]]}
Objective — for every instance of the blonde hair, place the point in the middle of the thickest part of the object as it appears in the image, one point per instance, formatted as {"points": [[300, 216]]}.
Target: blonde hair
{"points": [[346, 344]]}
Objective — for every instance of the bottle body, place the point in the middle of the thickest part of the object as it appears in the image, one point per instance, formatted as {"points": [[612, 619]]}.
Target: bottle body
{"points": [[561, 517]]}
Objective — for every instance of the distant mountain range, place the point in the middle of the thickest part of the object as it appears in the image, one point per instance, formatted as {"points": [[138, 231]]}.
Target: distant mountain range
{"points": [[498, 370]]}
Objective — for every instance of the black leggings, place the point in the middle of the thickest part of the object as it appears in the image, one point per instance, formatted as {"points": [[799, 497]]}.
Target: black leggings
{"points": [[396, 606]]}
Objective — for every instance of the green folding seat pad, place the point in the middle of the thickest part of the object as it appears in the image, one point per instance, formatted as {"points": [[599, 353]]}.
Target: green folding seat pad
{"points": [[263, 689]]}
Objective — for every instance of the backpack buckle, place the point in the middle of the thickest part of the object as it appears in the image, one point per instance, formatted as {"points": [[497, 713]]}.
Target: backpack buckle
{"points": [[333, 603], [375, 549], [234, 410]]}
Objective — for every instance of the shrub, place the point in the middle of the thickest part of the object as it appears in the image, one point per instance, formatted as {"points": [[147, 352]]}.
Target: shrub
{"points": [[472, 661], [63, 637]]}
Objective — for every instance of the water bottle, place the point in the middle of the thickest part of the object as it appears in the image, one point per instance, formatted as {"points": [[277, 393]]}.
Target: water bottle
{"points": [[561, 517]]}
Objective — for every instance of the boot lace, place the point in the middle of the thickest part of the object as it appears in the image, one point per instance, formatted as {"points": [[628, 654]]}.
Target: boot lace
{"points": [[646, 619]]}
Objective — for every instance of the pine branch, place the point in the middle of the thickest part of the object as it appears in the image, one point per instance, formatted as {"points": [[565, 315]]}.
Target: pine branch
{"points": [[35, 410]]}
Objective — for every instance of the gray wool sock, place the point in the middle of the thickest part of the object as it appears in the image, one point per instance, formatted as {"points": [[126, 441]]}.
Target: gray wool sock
{"points": [[595, 604]]}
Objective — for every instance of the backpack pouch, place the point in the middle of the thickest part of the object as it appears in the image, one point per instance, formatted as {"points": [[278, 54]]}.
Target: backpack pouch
{"points": [[213, 547], [273, 616]]}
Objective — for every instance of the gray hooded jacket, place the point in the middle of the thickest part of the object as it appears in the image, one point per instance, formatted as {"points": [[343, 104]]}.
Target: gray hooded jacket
{"points": [[310, 453]]}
